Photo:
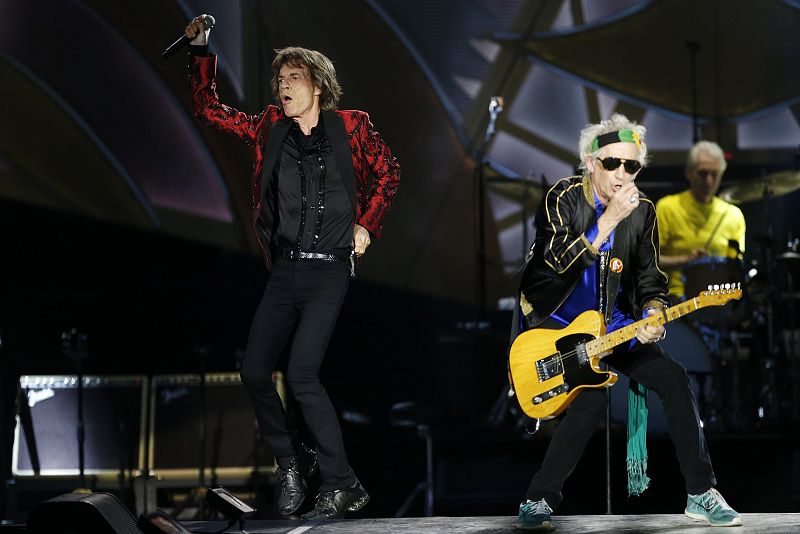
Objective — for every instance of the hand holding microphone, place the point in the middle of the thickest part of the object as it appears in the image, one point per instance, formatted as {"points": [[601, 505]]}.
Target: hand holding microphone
{"points": [[196, 33], [198, 29]]}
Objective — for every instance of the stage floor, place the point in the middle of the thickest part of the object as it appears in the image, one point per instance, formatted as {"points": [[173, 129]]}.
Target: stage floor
{"points": [[574, 524]]}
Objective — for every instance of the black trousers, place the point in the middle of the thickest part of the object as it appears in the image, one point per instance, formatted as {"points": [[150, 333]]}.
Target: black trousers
{"points": [[303, 297], [653, 368]]}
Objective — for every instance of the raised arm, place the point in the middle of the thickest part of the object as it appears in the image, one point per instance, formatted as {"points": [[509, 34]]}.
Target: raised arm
{"points": [[203, 88], [564, 246]]}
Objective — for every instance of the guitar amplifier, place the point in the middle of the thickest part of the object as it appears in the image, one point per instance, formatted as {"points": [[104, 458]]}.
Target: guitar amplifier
{"points": [[232, 447], [113, 410]]}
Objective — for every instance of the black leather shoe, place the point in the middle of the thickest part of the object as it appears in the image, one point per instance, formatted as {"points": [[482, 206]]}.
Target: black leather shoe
{"points": [[292, 481], [333, 504], [293, 487]]}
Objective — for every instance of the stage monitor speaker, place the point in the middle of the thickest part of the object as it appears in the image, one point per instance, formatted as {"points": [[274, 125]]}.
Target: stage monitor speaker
{"points": [[232, 450], [113, 409], [160, 522], [73, 513]]}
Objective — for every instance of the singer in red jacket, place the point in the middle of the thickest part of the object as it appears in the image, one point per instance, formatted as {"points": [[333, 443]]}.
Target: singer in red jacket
{"points": [[322, 182]]}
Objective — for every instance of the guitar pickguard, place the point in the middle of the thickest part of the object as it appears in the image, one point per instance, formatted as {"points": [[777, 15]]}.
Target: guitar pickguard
{"points": [[578, 370]]}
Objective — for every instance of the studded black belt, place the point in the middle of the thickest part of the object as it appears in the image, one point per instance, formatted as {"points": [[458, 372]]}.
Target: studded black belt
{"points": [[298, 255]]}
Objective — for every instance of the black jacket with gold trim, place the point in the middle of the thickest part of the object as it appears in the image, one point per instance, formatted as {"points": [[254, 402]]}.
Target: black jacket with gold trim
{"points": [[561, 252]]}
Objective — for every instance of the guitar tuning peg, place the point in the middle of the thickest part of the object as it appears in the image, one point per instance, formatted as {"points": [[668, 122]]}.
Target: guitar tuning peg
{"points": [[716, 287]]}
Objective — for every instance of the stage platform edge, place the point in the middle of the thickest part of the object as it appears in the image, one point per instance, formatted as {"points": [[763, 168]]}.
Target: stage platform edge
{"points": [[571, 524]]}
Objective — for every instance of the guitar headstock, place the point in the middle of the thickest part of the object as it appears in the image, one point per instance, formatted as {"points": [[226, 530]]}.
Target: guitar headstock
{"points": [[719, 294]]}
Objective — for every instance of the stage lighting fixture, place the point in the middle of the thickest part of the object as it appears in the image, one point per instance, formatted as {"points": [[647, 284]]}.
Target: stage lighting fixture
{"points": [[229, 505]]}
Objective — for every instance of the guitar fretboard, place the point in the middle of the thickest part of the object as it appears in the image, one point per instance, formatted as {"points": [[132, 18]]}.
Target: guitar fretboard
{"points": [[617, 337]]}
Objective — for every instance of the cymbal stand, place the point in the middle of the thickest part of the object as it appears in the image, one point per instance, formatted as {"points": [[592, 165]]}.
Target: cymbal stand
{"points": [[769, 404], [792, 350], [794, 335], [738, 408]]}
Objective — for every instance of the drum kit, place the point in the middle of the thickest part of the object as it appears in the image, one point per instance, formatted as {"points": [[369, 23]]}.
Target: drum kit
{"points": [[744, 359]]}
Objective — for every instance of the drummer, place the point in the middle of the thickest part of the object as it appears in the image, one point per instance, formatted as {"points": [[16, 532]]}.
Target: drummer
{"points": [[695, 225]]}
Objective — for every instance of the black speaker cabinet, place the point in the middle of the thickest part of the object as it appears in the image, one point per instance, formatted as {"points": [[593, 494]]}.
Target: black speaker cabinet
{"points": [[232, 450], [98, 513], [113, 409]]}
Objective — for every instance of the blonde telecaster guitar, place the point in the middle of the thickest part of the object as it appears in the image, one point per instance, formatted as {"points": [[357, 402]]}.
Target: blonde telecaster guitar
{"points": [[549, 368]]}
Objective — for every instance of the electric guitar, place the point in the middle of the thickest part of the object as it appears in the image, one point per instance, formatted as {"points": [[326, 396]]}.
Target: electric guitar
{"points": [[550, 367]]}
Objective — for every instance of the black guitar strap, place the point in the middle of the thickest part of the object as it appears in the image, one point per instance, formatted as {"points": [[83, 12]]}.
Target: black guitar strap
{"points": [[613, 267]]}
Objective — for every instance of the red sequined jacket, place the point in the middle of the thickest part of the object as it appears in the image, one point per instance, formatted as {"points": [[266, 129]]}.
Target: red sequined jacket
{"points": [[371, 179]]}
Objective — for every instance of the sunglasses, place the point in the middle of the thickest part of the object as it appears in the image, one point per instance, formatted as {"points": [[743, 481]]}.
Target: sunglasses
{"points": [[632, 166]]}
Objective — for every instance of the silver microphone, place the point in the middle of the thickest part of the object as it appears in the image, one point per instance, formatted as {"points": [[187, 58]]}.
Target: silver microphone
{"points": [[208, 23]]}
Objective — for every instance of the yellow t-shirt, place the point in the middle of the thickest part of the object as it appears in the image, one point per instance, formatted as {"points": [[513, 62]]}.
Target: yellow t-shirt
{"points": [[685, 225]]}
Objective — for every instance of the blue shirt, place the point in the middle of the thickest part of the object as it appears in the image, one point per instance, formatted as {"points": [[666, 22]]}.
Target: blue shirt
{"points": [[585, 296]]}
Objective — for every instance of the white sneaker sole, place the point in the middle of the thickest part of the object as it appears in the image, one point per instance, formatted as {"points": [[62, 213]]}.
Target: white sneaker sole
{"points": [[735, 522], [546, 526]]}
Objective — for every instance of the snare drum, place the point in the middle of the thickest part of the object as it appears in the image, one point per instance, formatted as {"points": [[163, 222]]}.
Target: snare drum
{"points": [[685, 345]]}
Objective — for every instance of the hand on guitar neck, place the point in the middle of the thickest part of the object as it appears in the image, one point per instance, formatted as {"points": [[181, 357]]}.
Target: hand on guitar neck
{"points": [[650, 333]]}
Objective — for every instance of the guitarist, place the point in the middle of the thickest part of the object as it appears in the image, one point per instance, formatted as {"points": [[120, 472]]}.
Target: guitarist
{"points": [[596, 247]]}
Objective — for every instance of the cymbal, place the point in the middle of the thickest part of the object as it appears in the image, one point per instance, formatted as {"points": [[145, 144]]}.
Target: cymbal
{"points": [[777, 184], [789, 256], [522, 190]]}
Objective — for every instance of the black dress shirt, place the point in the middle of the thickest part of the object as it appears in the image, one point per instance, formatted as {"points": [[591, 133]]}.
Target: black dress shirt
{"points": [[314, 211]]}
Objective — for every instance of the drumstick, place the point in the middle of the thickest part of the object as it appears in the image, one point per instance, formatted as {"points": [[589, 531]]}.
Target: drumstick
{"points": [[713, 232]]}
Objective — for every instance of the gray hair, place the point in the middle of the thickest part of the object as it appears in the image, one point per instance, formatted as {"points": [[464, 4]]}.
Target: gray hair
{"points": [[615, 123], [709, 148]]}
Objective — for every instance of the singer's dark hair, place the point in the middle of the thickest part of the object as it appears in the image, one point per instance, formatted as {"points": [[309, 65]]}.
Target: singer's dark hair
{"points": [[320, 68]]}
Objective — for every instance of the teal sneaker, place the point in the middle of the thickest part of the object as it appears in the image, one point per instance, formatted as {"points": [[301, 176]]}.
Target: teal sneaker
{"points": [[534, 515], [711, 508]]}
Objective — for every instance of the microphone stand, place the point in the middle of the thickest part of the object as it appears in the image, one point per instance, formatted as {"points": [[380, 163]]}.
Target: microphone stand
{"points": [[197, 495], [607, 443], [495, 108], [73, 344]]}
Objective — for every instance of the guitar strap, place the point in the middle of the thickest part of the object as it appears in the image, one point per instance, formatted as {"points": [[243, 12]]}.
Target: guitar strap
{"points": [[612, 276]]}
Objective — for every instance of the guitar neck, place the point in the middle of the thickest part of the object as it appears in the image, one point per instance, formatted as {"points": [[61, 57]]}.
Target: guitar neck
{"points": [[617, 337]]}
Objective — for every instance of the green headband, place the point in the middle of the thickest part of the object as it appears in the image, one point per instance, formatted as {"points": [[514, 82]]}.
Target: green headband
{"points": [[620, 136]]}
